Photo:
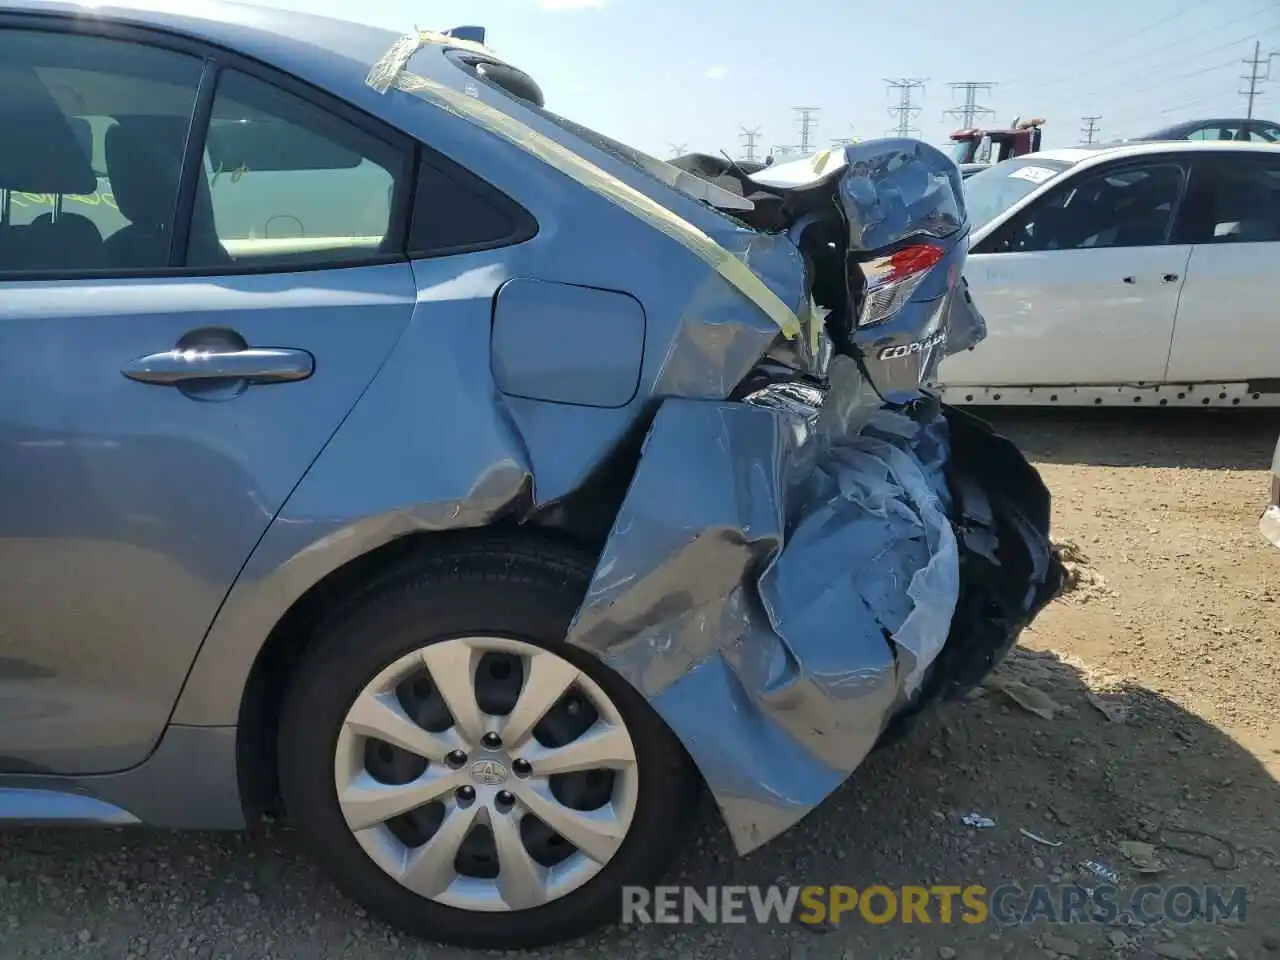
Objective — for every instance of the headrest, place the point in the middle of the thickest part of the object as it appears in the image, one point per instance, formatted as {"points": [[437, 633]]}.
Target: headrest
{"points": [[40, 151], [144, 156]]}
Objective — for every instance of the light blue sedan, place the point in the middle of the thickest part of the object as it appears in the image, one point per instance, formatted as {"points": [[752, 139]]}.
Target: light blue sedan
{"points": [[381, 449]]}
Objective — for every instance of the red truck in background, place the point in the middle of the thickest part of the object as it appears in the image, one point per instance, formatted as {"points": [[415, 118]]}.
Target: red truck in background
{"points": [[974, 148]]}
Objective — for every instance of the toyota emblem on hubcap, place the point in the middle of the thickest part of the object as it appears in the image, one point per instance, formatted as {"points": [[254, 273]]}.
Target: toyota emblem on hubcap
{"points": [[488, 772]]}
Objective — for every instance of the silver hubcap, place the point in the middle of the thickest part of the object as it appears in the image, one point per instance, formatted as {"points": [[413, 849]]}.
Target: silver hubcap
{"points": [[486, 773]]}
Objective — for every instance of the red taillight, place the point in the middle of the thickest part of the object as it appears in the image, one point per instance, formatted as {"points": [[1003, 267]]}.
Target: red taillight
{"points": [[915, 259], [892, 279]]}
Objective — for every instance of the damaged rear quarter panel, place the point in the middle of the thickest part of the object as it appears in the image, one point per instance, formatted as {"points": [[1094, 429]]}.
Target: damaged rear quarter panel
{"points": [[434, 444], [782, 587], [777, 587]]}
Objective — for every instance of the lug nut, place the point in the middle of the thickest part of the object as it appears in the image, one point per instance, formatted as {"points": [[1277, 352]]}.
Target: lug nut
{"points": [[522, 768], [455, 758], [491, 741], [505, 798], [465, 794]]}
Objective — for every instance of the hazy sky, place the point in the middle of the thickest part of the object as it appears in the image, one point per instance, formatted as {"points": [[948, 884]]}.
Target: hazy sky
{"points": [[657, 73]]}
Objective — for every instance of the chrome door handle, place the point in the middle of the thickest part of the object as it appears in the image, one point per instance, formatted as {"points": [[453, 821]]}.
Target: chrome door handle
{"points": [[252, 365]]}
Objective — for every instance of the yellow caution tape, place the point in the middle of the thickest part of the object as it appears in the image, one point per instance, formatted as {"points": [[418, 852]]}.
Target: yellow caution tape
{"points": [[389, 72]]}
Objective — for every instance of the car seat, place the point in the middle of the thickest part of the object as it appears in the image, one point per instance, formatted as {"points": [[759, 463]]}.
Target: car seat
{"points": [[144, 161], [42, 152]]}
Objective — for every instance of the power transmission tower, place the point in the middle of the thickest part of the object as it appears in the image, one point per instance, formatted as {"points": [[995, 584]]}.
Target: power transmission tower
{"points": [[678, 149], [807, 126], [970, 110], [904, 109], [1259, 72], [1090, 128], [749, 142]]}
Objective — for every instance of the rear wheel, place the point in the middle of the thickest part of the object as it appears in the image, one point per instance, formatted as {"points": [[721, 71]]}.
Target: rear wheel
{"points": [[465, 774]]}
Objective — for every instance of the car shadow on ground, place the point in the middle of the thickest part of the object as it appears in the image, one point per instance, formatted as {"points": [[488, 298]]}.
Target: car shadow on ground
{"points": [[1204, 439], [1115, 763], [1066, 755]]}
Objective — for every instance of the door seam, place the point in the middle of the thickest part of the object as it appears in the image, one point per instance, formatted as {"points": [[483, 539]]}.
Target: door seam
{"points": [[1177, 308]]}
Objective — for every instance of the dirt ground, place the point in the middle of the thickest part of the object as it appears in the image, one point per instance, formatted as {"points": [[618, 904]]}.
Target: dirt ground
{"points": [[1143, 706]]}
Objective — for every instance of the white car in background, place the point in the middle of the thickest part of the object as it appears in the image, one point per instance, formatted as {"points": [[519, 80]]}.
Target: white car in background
{"points": [[1140, 273]]}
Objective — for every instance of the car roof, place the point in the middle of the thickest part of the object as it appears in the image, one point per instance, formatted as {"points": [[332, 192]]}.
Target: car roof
{"points": [[1140, 148], [209, 19], [1065, 155], [331, 53], [1177, 130]]}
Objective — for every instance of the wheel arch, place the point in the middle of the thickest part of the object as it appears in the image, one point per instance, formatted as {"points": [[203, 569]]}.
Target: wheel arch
{"points": [[583, 520], [292, 635]]}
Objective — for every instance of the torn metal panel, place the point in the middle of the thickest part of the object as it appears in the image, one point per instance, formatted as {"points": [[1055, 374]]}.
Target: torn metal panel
{"points": [[896, 189], [793, 576]]}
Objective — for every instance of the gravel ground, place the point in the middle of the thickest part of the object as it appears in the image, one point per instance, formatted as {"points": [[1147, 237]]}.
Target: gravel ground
{"points": [[1142, 706]]}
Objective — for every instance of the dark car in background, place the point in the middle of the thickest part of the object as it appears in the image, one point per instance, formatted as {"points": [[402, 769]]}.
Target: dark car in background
{"points": [[1229, 128]]}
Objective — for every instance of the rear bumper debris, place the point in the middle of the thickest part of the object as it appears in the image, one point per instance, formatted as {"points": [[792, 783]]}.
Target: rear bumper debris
{"points": [[787, 580]]}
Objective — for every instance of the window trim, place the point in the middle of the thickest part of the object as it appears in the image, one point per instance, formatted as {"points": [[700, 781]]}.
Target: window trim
{"points": [[1179, 159], [216, 59], [192, 164]]}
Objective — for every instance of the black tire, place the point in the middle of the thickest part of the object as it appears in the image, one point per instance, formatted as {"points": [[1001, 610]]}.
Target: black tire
{"points": [[499, 586]]}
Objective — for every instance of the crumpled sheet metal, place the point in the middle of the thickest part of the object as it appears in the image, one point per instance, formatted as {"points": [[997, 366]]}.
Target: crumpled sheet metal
{"points": [[894, 187], [777, 586]]}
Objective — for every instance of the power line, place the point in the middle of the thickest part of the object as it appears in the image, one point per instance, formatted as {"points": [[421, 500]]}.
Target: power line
{"points": [[1111, 43], [807, 126], [1090, 127], [1259, 72], [1184, 107], [748, 137], [970, 110], [1125, 94], [1218, 98], [1127, 62], [1163, 82], [904, 109]]}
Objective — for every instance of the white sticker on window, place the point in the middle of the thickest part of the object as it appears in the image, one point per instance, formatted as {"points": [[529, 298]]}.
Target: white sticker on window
{"points": [[1034, 174]]}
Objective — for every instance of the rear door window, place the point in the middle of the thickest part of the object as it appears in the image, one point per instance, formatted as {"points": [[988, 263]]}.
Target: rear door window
{"points": [[91, 151], [1232, 199], [287, 183]]}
